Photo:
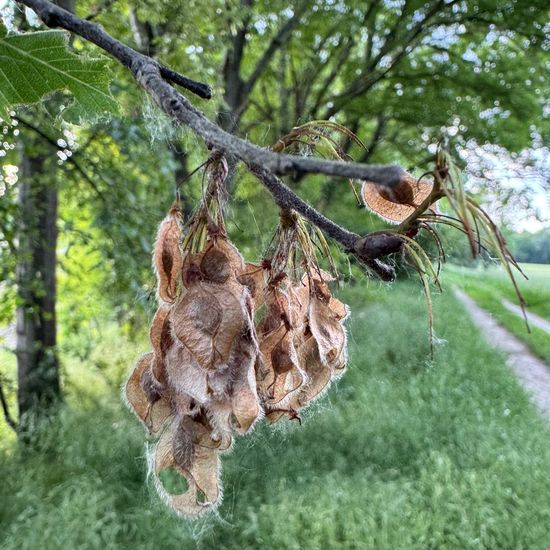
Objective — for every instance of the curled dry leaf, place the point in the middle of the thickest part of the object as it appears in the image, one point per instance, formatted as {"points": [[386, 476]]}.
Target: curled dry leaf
{"points": [[397, 203], [167, 256]]}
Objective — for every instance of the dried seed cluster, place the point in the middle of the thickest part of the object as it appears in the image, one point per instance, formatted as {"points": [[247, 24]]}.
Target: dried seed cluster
{"points": [[233, 342]]}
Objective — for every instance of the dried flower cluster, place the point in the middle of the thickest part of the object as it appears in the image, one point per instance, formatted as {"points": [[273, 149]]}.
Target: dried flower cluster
{"points": [[232, 341]]}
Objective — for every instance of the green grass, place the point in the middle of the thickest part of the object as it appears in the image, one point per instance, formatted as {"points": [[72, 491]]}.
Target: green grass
{"points": [[403, 453], [489, 286]]}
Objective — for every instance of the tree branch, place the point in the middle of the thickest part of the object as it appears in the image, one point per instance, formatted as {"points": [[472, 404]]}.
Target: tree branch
{"points": [[265, 164], [367, 249], [198, 88], [71, 160], [277, 41], [149, 75], [287, 200]]}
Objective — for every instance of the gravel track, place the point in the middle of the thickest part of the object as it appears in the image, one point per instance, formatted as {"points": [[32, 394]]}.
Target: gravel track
{"points": [[533, 373], [533, 319]]}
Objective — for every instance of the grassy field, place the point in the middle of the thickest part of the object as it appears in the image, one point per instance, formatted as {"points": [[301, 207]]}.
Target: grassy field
{"points": [[489, 286], [404, 452]]}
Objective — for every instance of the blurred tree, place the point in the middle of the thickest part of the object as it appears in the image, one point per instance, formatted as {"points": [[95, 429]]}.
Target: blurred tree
{"points": [[532, 247], [38, 380]]}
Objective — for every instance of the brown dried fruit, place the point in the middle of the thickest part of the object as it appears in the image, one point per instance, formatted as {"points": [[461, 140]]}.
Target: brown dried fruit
{"points": [[167, 256], [185, 378], [186, 446], [329, 334], [215, 266], [208, 377], [398, 203], [208, 318], [135, 396], [152, 411], [244, 395], [252, 276], [283, 374]]}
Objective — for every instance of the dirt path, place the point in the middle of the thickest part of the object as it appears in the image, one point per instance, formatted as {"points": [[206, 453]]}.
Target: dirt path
{"points": [[533, 319], [533, 373]]}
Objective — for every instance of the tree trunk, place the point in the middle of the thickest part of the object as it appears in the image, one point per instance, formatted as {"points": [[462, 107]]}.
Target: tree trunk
{"points": [[37, 362]]}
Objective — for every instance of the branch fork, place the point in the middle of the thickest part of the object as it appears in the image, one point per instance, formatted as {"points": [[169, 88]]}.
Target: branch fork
{"points": [[158, 80]]}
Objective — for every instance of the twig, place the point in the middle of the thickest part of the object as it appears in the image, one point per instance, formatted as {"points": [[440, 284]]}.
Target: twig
{"points": [[71, 160], [198, 88]]}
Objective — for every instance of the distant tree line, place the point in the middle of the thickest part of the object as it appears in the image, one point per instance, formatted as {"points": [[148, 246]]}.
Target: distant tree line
{"points": [[532, 247]]}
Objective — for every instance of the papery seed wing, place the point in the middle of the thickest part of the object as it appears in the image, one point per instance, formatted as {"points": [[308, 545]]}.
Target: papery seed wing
{"points": [[161, 411], [275, 415], [220, 261], [185, 377], [167, 256], [299, 296], [252, 276], [279, 311], [397, 203], [196, 320], [318, 375], [219, 413], [339, 309], [152, 410], [160, 334], [205, 467], [215, 266], [327, 331], [190, 271], [265, 371], [244, 399], [182, 447], [234, 301], [207, 320], [135, 396], [280, 359], [321, 290]]}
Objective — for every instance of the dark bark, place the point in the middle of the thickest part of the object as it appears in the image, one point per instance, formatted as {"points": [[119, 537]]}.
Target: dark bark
{"points": [[37, 361], [5, 409]]}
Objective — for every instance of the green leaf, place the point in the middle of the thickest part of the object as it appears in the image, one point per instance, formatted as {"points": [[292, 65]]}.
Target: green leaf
{"points": [[35, 64]]}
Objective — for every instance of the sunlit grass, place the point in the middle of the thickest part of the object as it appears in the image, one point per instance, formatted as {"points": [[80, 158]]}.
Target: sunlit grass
{"points": [[402, 453]]}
